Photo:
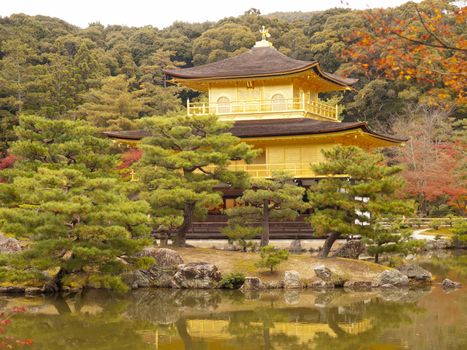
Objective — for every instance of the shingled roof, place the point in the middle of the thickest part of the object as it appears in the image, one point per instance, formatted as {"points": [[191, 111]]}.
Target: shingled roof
{"points": [[275, 127], [256, 62]]}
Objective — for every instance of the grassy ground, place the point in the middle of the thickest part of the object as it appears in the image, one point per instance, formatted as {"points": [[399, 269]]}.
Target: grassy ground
{"points": [[442, 231], [228, 262]]}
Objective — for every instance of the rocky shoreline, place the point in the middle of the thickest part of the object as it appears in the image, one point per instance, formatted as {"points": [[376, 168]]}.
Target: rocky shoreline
{"points": [[171, 271]]}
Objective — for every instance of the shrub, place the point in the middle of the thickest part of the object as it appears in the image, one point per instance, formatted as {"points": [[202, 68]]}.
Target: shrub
{"points": [[460, 234], [271, 257], [232, 281], [436, 223], [242, 234]]}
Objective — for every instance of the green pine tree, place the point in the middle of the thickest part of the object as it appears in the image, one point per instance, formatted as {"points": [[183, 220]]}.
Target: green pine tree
{"points": [[276, 199], [65, 198], [391, 238], [362, 191], [113, 106], [184, 166]]}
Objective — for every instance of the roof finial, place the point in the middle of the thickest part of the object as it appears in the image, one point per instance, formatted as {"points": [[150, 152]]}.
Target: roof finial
{"points": [[264, 33], [264, 38]]}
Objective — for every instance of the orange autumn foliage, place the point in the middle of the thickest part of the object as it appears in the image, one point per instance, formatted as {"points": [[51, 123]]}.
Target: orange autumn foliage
{"points": [[424, 42]]}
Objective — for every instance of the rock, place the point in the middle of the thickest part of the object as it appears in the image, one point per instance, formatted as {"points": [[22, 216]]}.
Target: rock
{"points": [[357, 284], [197, 275], [351, 249], [52, 279], [136, 279], [12, 290], [438, 244], [296, 247], [33, 290], [292, 280], [415, 273], [9, 245], [273, 285], [390, 278], [252, 283], [327, 275], [323, 272], [321, 284], [165, 267], [449, 284]]}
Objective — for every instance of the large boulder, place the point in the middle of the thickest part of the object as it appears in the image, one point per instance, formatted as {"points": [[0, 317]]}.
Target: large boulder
{"points": [[9, 245], [252, 283], [390, 278], [161, 273], [325, 274], [136, 279], [351, 249], [416, 274], [292, 280], [196, 275]]}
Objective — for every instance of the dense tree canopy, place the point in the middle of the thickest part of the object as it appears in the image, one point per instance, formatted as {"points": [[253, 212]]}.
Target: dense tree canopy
{"points": [[112, 75], [354, 201], [184, 161], [64, 197]]}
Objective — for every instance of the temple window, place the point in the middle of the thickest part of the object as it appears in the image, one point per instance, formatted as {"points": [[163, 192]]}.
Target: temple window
{"points": [[223, 105], [278, 102]]}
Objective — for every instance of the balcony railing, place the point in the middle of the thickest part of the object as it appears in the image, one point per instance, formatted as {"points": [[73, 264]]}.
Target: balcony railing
{"points": [[267, 170], [263, 106], [295, 170]]}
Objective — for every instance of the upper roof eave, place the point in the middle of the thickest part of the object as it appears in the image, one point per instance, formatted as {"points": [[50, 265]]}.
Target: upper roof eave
{"points": [[254, 63]]}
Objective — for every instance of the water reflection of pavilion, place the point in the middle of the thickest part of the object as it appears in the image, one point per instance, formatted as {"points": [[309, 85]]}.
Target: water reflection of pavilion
{"points": [[218, 333]]}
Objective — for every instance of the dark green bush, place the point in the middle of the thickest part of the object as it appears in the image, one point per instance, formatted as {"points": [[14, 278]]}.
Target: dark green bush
{"points": [[232, 281]]}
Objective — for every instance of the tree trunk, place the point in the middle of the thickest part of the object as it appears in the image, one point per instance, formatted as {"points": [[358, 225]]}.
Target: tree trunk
{"points": [[328, 244], [265, 233], [180, 238], [376, 258]]}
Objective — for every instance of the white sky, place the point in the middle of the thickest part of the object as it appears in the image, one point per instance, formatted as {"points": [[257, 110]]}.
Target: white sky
{"points": [[161, 13]]}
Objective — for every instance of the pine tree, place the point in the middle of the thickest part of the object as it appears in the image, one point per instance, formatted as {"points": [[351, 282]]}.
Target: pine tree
{"points": [[362, 191], [184, 164], [66, 199], [268, 199], [112, 106], [391, 239]]}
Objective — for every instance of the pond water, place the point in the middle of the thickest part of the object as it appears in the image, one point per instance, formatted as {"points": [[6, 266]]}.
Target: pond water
{"points": [[194, 319]]}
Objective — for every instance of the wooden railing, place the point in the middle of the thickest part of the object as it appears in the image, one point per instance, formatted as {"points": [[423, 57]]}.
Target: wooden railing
{"points": [[296, 170], [267, 170], [263, 106]]}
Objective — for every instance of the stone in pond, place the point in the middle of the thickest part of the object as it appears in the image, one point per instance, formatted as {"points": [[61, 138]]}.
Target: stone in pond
{"points": [[292, 280], [196, 275], [390, 278]]}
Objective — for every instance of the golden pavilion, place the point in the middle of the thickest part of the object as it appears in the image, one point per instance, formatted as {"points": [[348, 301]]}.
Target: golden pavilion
{"points": [[274, 102]]}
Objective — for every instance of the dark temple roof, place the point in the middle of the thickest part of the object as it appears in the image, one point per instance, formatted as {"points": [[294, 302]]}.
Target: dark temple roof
{"points": [[275, 127], [258, 61], [298, 126]]}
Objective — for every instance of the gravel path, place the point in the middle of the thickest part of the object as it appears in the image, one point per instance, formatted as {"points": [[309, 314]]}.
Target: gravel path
{"points": [[418, 234]]}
